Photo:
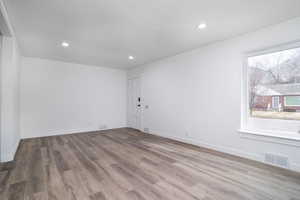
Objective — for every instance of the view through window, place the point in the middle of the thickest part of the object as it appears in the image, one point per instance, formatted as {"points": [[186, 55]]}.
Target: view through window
{"points": [[274, 85]]}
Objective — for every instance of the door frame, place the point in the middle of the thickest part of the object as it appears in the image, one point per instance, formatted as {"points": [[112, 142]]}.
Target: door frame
{"points": [[129, 106]]}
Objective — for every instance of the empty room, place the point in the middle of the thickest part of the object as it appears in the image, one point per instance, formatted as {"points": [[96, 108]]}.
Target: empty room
{"points": [[150, 100]]}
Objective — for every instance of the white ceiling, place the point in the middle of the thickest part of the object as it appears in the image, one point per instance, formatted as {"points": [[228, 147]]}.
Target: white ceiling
{"points": [[106, 32]]}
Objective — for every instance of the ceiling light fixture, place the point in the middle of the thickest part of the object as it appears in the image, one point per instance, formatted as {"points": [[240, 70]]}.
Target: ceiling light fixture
{"points": [[202, 26], [130, 57], [65, 44]]}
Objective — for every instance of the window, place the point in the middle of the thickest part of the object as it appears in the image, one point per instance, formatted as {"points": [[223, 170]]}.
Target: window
{"points": [[275, 102], [293, 101], [274, 84], [272, 90]]}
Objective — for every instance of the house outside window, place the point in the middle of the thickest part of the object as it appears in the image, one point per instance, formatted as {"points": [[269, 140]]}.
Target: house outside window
{"points": [[272, 89]]}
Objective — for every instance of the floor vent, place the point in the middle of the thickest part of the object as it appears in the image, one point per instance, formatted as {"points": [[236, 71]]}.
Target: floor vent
{"points": [[277, 160]]}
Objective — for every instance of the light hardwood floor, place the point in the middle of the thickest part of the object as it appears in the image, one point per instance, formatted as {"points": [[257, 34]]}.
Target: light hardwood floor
{"points": [[125, 164]]}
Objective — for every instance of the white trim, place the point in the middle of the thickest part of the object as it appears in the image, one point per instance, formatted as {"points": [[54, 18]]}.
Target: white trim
{"points": [[244, 93], [290, 136], [224, 149], [66, 132], [210, 146], [247, 121]]}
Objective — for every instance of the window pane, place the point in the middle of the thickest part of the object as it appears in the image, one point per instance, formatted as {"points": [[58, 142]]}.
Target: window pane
{"points": [[274, 85], [292, 101]]}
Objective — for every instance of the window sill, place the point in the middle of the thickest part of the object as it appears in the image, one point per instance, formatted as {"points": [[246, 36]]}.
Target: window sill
{"points": [[287, 138]]}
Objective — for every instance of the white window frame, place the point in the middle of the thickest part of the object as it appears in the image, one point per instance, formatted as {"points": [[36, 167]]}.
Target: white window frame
{"points": [[279, 128]]}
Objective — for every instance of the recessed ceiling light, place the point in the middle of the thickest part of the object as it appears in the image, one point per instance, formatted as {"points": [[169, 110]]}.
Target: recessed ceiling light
{"points": [[65, 44], [202, 26], [130, 57]]}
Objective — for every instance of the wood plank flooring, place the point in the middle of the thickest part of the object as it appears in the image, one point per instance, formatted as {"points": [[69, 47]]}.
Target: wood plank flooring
{"points": [[124, 164]]}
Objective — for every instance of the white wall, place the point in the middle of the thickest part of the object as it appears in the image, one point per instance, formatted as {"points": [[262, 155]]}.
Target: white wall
{"points": [[61, 98], [10, 133], [9, 89], [196, 96]]}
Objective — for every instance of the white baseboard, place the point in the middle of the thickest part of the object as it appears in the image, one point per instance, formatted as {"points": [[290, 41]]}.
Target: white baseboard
{"points": [[66, 132], [236, 152]]}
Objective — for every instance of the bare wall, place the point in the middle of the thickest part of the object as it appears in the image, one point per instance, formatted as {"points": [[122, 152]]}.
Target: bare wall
{"points": [[10, 89], [62, 98]]}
